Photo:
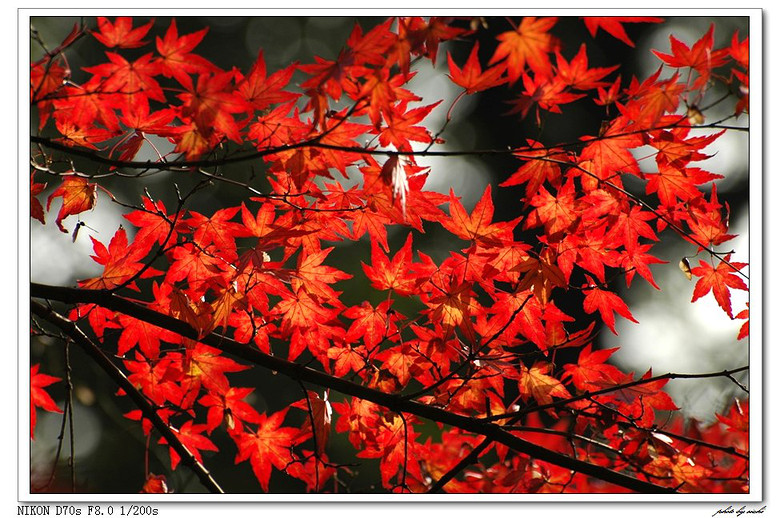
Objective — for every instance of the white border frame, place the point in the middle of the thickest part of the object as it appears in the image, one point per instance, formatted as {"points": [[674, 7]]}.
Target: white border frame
{"points": [[758, 425]]}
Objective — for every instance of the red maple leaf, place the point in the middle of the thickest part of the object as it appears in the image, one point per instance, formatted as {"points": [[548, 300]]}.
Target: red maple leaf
{"points": [[370, 324], [591, 373], [36, 209], [576, 73], [155, 484], [400, 361], [607, 96], [548, 94], [217, 230], [120, 262], [744, 331], [46, 77], [391, 445], [719, 280], [81, 111], [557, 213], [738, 418], [608, 157], [371, 47], [471, 77], [677, 183], [540, 164], [707, 220], [318, 421], [121, 34], [176, 57], [261, 90], [700, 56], [422, 36], [392, 275], [155, 379], [606, 303], [154, 225], [515, 314], [137, 116], [196, 265], [229, 408], [300, 310], [677, 150], [614, 25], [146, 336], [477, 227], [131, 79], [541, 274], [401, 127], [315, 277], [191, 436], [347, 359], [206, 366], [652, 99], [211, 103], [82, 136], [382, 90], [39, 398], [629, 227], [638, 261], [642, 400], [270, 445]]}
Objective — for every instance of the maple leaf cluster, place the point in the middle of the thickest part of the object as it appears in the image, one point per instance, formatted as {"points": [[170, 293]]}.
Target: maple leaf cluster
{"points": [[478, 333]]}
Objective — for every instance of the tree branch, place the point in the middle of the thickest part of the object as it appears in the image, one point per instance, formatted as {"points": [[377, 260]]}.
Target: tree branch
{"points": [[395, 403], [588, 394], [78, 336]]}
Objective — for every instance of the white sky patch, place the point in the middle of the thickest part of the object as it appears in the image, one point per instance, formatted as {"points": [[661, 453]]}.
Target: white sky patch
{"points": [[56, 259], [675, 335]]}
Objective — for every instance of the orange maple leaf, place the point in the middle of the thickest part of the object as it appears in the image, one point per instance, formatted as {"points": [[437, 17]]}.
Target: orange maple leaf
{"points": [[530, 44], [315, 278], [536, 383], [155, 484], [370, 324]]}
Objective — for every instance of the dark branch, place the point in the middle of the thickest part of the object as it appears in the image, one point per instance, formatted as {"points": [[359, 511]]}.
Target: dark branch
{"points": [[73, 331], [295, 371]]}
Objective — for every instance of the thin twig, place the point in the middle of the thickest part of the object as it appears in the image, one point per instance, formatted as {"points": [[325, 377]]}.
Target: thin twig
{"points": [[296, 371], [75, 333]]}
